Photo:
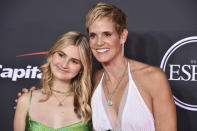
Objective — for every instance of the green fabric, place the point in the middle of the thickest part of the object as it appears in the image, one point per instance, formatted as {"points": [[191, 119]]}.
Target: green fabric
{"points": [[32, 125]]}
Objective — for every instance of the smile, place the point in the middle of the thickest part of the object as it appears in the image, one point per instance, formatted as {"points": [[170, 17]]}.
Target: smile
{"points": [[102, 50], [62, 70]]}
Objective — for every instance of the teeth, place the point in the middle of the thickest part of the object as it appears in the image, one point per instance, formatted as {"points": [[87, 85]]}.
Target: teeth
{"points": [[102, 50]]}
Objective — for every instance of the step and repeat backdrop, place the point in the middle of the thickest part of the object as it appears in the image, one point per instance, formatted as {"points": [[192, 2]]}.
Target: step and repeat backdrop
{"points": [[161, 33]]}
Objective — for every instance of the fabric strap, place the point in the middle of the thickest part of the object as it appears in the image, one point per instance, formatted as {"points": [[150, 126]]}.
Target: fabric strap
{"points": [[29, 103]]}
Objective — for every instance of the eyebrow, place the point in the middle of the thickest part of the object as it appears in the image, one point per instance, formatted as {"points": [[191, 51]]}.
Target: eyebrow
{"points": [[91, 33], [107, 31], [67, 55]]}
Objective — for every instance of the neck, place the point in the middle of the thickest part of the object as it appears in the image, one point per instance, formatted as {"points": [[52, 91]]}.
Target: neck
{"points": [[114, 68], [63, 86]]}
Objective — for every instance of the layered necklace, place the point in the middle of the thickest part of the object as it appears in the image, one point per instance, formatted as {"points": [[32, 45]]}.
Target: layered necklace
{"points": [[110, 94], [60, 102]]}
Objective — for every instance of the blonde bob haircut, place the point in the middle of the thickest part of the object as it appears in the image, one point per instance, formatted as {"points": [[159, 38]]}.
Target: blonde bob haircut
{"points": [[81, 84], [101, 10]]}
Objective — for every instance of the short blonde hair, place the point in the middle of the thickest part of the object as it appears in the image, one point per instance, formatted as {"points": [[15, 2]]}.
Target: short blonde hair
{"points": [[81, 84], [112, 12]]}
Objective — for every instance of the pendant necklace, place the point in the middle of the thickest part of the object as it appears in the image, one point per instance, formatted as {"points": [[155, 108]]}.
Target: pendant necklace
{"points": [[60, 92], [110, 94]]}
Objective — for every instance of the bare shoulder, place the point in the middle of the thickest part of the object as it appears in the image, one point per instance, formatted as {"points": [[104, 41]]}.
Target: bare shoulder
{"points": [[23, 102], [153, 77], [37, 93], [24, 99], [96, 78], [144, 68]]}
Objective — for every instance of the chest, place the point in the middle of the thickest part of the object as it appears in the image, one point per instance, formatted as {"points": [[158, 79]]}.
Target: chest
{"points": [[133, 113], [112, 93], [49, 113]]}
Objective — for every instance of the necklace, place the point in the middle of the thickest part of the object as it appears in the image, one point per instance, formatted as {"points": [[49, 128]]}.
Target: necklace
{"points": [[110, 94], [60, 92], [65, 95]]}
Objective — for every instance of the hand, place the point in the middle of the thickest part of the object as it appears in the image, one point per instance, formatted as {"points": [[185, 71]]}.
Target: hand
{"points": [[24, 90]]}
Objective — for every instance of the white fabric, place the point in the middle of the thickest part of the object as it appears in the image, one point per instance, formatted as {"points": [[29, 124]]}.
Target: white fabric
{"points": [[133, 114]]}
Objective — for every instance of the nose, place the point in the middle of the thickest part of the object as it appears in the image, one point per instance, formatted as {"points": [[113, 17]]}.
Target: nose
{"points": [[100, 41], [65, 63]]}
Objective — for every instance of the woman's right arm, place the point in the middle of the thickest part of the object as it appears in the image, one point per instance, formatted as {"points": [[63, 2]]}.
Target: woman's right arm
{"points": [[21, 112]]}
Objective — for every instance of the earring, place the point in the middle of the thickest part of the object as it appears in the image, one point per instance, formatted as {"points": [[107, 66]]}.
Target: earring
{"points": [[123, 49]]}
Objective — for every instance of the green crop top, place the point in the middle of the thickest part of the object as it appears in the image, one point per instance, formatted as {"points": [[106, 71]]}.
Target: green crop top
{"points": [[32, 125]]}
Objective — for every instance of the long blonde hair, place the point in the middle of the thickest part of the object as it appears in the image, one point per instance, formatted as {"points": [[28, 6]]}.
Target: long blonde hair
{"points": [[81, 84]]}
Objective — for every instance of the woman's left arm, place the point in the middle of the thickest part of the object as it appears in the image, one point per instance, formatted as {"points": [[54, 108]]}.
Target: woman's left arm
{"points": [[164, 109]]}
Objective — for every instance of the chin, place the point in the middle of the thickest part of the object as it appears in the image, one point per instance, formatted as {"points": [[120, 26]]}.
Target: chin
{"points": [[61, 76], [102, 59]]}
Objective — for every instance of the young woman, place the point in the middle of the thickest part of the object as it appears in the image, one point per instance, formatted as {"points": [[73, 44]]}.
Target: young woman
{"points": [[62, 103], [130, 95]]}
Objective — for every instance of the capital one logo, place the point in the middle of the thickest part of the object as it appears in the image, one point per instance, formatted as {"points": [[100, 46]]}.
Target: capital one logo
{"points": [[30, 72], [180, 65]]}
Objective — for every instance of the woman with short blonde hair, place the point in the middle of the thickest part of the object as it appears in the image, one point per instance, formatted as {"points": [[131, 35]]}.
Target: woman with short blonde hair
{"points": [[130, 95]]}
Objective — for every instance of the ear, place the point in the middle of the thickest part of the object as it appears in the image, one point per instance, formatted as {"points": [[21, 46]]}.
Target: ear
{"points": [[123, 36]]}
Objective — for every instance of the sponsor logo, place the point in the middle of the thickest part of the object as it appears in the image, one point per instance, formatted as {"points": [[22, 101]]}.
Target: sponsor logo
{"points": [[30, 72], [17, 73], [180, 65]]}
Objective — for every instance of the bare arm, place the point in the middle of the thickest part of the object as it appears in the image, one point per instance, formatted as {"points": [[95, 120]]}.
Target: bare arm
{"points": [[24, 91], [21, 111], [164, 109]]}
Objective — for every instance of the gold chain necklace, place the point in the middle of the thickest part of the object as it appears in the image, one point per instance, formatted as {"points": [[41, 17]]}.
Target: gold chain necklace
{"points": [[60, 92], [110, 94]]}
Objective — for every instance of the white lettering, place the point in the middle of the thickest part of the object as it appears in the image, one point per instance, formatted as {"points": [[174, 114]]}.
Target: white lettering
{"points": [[15, 74], [34, 72], [27, 74], [39, 75], [183, 72], [172, 71], [186, 72], [7, 73], [18, 73], [194, 73]]}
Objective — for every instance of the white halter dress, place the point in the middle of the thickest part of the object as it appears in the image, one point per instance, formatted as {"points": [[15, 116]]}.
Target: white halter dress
{"points": [[133, 115]]}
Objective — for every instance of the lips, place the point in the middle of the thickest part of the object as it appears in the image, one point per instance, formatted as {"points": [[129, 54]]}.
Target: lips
{"points": [[102, 50], [62, 70]]}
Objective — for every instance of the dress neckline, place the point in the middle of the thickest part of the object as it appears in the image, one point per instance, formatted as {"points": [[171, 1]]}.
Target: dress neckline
{"points": [[121, 107], [67, 126], [28, 117]]}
